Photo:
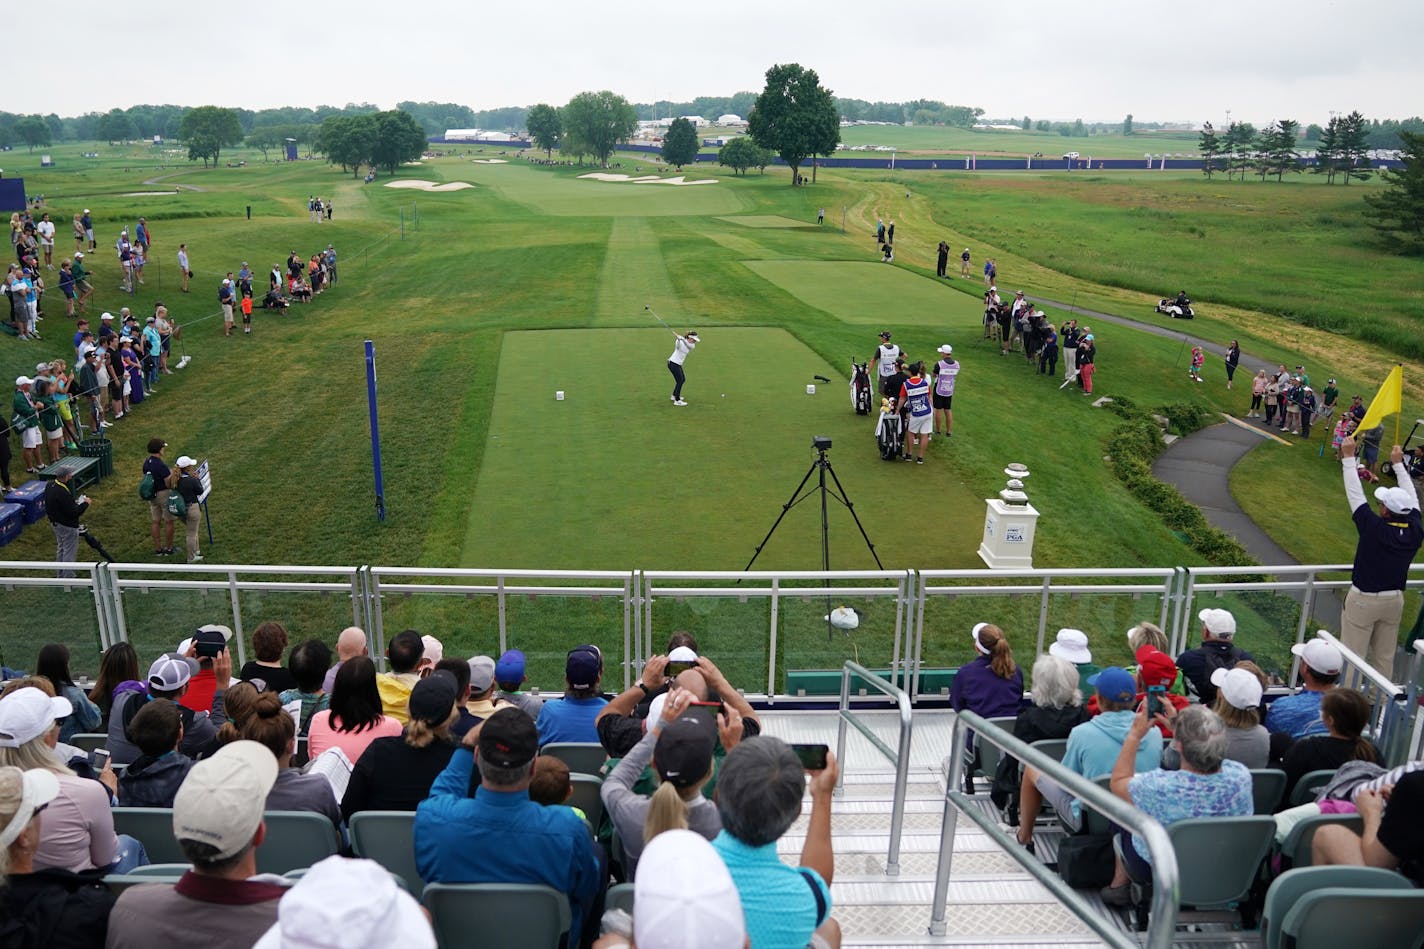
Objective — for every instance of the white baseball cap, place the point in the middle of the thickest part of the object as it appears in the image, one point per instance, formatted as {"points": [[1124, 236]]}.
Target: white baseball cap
{"points": [[683, 654], [481, 673], [169, 673], [946, 349], [1320, 656], [684, 898], [23, 381], [347, 904], [1239, 687], [222, 799], [1071, 644], [28, 713], [1220, 623], [433, 653], [1397, 500], [186, 461], [37, 788]]}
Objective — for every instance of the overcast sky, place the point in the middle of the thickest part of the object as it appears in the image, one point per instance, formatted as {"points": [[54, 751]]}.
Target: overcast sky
{"points": [[1098, 60]]}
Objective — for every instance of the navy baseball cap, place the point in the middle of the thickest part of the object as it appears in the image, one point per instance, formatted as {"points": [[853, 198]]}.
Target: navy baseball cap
{"points": [[583, 667]]}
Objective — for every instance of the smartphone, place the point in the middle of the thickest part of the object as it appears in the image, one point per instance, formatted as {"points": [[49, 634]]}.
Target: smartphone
{"points": [[675, 669], [98, 759], [708, 710], [1154, 700], [812, 757]]}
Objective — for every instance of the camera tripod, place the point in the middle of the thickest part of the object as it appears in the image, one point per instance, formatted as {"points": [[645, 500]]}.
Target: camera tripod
{"points": [[820, 466]]}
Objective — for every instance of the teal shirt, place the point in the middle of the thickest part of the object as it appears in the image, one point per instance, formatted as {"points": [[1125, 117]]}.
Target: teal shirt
{"points": [[783, 905]]}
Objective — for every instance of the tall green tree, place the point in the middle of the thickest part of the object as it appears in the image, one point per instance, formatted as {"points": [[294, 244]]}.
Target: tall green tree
{"points": [[209, 129], [742, 153], [1127, 124], [680, 144], [33, 131], [1354, 147], [599, 120], [1327, 153], [795, 116], [544, 126], [1280, 153], [265, 139], [1210, 147], [398, 139], [347, 140], [114, 127], [1399, 209], [1026, 124]]}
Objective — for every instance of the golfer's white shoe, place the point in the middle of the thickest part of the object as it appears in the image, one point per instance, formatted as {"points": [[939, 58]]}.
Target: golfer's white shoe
{"points": [[678, 402]]}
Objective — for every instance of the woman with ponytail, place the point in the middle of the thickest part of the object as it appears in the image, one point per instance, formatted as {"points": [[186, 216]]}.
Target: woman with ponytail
{"points": [[679, 746], [1345, 713], [238, 702], [269, 725], [992, 684]]}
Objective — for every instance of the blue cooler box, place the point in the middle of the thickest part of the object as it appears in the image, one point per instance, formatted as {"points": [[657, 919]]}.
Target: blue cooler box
{"points": [[12, 521], [30, 497]]}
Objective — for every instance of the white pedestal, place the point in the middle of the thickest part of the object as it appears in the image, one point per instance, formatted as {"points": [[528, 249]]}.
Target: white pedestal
{"points": [[1008, 535]]}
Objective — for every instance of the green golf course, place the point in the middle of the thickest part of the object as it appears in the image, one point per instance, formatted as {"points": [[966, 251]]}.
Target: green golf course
{"points": [[484, 302]]}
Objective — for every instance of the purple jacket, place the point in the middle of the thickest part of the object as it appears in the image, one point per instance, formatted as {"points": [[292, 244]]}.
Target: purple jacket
{"points": [[979, 690]]}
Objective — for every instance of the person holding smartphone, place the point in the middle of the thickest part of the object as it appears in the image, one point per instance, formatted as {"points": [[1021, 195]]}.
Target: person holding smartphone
{"points": [[679, 746]]}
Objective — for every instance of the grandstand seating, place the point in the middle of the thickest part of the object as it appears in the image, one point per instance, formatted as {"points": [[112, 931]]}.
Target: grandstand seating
{"points": [[581, 757], [506, 915]]}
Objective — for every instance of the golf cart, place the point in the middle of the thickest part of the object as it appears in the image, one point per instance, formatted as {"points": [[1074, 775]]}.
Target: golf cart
{"points": [[1414, 456], [1178, 309]]}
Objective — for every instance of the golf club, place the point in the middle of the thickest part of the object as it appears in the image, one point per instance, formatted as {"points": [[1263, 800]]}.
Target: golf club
{"points": [[660, 319]]}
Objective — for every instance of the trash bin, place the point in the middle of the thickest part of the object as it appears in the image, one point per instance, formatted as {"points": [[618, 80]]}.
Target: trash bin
{"points": [[100, 448]]}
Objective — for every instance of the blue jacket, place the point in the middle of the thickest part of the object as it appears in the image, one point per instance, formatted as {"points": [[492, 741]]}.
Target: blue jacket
{"points": [[1093, 746], [977, 688], [503, 837], [1296, 715], [569, 719]]}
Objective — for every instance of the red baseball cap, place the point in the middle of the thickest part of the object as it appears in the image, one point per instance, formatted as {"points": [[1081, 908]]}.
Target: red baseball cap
{"points": [[1155, 667]]}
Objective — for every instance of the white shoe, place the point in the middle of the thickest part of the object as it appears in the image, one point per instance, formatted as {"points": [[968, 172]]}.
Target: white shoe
{"points": [[678, 402], [196, 558], [106, 424]]}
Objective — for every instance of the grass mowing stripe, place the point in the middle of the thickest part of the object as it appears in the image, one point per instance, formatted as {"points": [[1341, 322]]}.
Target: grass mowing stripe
{"points": [[634, 275], [869, 292]]}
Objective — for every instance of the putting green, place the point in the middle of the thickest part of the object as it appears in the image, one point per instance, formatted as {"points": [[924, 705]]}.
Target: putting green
{"points": [[617, 476], [562, 196], [766, 220], [871, 292]]}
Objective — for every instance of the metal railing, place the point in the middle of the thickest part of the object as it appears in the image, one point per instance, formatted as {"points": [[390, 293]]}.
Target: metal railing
{"points": [[1061, 590], [502, 587], [1163, 857], [1393, 716], [900, 757]]}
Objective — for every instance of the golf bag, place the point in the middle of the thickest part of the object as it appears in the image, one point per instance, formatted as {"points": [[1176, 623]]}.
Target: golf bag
{"points": [[1176, 312], [860, 388], [889, 433]]}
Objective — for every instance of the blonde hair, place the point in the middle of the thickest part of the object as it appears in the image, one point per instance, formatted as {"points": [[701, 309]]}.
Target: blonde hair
{"points": [[12, 789], [667, 808], [35, 753], [1146, 634], [419, 734]]}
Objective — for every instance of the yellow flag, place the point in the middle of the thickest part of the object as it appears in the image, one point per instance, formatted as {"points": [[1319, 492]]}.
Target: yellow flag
{"points": [[1387, 401]]}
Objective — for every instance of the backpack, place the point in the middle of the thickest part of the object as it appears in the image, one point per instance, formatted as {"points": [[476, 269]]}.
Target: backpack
{"points": [[1213, 660], [177, 506], [147, 489]]}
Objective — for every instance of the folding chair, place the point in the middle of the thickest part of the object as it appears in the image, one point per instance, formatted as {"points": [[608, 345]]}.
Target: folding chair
{"points": [[1288, 888], [1268, 786], [581, 757]]}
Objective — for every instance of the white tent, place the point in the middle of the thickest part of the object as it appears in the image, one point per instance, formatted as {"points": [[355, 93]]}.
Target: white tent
{"points": [[730, 119]]}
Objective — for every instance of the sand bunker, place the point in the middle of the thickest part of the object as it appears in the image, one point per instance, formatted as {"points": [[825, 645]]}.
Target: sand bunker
{"points": [[489, 161], [647, 179], [428, 185], [405, 164]]}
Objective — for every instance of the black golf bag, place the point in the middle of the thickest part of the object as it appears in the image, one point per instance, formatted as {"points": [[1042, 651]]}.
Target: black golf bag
{"points": [[890, 434], [860, 389]]}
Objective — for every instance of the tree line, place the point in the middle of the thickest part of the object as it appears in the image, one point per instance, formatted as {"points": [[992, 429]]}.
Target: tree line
{"points": [[1272, 152]]}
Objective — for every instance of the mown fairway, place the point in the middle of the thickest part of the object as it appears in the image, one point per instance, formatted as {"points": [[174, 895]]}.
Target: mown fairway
{"points": [[534, 280]]}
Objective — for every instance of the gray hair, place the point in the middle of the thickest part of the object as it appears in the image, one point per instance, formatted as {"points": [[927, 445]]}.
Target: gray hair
{"points": [[203, 856], [1147, 634], [1202, 735], [497, 777], [1055, 683], [759, 790]]}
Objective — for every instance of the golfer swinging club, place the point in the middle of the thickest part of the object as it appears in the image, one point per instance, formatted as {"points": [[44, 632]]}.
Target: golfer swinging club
{"points": [[681, 349]]}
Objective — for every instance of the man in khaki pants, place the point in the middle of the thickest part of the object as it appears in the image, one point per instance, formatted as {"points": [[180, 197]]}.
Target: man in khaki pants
{"points": [[1389, 541]]}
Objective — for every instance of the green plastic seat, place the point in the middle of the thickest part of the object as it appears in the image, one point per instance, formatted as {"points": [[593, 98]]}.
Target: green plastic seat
{"points": [[1288, 888], [581, 757], [505, 915], [1305, 788], [88, 741], [1219, 858], [160, 870], [388, 837], [1336, 916], [152, 827], [620, 897], [1268, 786], [118, 882], [989, 753], [295, 840], [1295, 849], [586, 797]]}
